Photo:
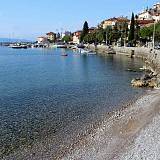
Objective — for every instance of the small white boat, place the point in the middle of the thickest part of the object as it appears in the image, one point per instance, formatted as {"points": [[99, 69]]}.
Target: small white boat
{"points": [[87, 52], [92, 53], [18, 46], [74, 48], [60, 45]]}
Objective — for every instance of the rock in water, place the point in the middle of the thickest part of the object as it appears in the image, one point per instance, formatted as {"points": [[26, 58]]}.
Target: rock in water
{"points": [[138, 83]]}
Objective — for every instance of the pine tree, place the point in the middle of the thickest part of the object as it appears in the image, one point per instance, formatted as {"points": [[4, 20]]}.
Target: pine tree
{"points": [[137, 29], [85, 31], [132, 29]]}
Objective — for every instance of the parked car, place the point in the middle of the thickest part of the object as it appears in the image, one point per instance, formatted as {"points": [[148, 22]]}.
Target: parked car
{"points": [[157, 47]]}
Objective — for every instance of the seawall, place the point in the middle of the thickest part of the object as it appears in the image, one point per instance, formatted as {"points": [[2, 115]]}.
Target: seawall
{"points": [[151, 57]]}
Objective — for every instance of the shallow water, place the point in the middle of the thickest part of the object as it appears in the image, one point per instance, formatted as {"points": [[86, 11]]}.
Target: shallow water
{"points": [[46, 100]]}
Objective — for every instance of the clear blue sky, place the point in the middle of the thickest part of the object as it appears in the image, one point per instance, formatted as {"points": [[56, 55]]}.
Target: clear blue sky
{"points": [[31, 18]]}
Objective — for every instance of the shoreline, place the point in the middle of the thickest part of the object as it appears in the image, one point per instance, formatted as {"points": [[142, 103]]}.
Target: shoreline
{"points": [[115, 136], [120, 137]]}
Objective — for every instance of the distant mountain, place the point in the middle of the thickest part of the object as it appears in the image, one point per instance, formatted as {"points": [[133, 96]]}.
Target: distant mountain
{"points": [[13, 40]]}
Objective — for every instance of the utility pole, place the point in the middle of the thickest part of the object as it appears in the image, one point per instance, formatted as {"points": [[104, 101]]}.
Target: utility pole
{"points": [[106, 38], [154, 34]]}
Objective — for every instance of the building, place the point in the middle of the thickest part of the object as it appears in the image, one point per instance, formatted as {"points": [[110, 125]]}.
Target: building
{"points": [[156, 17], [112, 21], [151, 13], [146, 15], [108, 22], [92, 29], [51, 36], [66, 33], [76, 37], [42, 40]]}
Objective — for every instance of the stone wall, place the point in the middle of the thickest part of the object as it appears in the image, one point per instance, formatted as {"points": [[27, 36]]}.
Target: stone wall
{"points": [[152, 57]]}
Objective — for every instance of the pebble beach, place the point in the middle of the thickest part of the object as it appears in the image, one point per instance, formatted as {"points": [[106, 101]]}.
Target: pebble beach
{"points": [[132, 133]]}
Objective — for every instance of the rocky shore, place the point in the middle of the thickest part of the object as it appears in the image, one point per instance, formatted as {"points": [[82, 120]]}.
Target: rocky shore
{"points": [[149, 79]]}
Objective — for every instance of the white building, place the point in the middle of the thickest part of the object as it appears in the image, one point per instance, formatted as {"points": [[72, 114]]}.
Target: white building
{"points": [[151, 14], [156, 18], [76, 37], [145, 16], [41, 39]]}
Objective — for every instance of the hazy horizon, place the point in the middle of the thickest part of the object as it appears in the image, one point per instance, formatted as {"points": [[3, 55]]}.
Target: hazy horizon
{"points": [[29, 19]]}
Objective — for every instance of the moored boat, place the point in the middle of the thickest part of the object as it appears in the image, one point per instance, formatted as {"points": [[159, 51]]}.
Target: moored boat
{"points": [[87, 52], [18, 46], [64, 55], [60, 45]]}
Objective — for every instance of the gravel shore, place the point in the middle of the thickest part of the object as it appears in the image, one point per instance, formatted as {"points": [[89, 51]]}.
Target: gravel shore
{"points": [[132, 133]]}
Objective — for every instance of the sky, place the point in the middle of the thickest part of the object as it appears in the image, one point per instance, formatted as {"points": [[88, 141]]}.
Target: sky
{"points": [[31, 18]]}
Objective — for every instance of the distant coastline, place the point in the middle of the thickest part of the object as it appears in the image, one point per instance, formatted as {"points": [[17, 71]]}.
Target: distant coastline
{"points": [[13, 40]]}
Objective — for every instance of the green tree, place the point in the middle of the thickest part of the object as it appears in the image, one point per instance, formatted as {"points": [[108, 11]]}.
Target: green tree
{"points": [[108, 32], [132, 30], [137, 29], [85, 31], [124, 33], [67, 38], [90, 38], [146, 33], [100, 35], [115, 34]]}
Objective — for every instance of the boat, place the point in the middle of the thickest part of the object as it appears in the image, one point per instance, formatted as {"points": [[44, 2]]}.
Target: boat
{"points": [[18, 46], [60, 45], [92, 53], [86, 52], [74, 47], [64, 55], [81, 45]]}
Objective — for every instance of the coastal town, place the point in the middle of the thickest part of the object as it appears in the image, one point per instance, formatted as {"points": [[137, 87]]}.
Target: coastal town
{"points": [[89, 92], [142, 30], [117, 31]]}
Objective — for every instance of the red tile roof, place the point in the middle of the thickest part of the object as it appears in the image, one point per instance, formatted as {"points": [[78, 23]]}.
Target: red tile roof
{"points": [[50, 33], [118, 19], [144, 22]]}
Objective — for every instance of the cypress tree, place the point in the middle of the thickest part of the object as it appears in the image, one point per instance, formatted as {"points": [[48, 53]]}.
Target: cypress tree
{"points": [[85, 31], [132, 29]]}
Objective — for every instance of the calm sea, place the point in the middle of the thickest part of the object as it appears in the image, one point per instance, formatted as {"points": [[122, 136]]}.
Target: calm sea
{"points": [[47, 101]]}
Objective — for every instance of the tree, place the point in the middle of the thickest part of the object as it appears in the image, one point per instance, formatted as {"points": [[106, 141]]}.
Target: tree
{"points": [[132, 30], [90, 38], [67, 38], [108, 32], [100, 35], [115, 34], [85, 31], [146, 33], [124, 33], [137, 29]]}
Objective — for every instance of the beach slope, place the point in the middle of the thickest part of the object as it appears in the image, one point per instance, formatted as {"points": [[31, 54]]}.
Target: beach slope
{"points": [[131, 133]]}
